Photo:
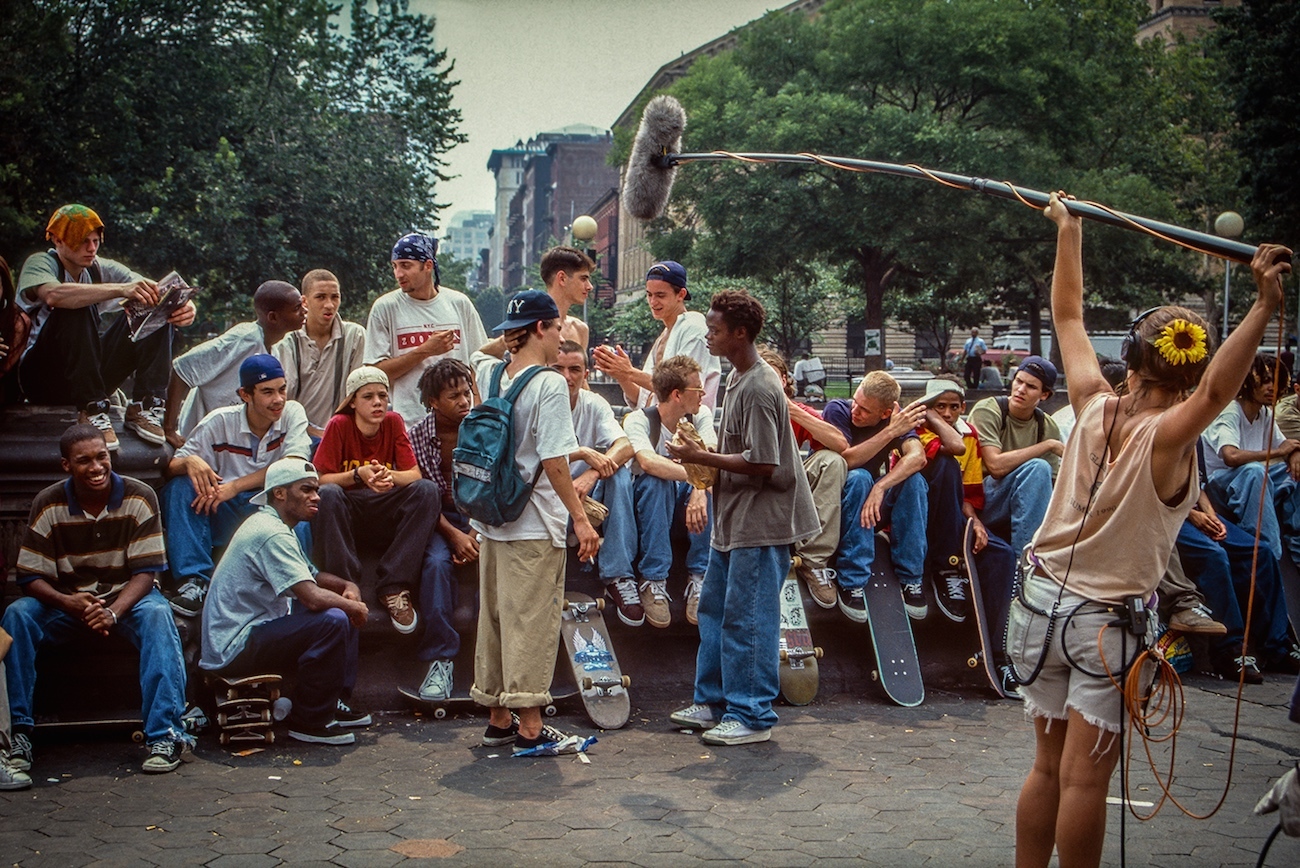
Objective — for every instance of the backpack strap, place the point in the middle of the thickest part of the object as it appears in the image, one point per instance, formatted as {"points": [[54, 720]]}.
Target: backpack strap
{"points": [[1039, 416], [656, 425], [516, 385]]}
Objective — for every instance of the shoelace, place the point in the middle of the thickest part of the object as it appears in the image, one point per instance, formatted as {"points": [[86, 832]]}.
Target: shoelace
{"points": [[824, 576], [399, 602], [437, 675], [956, 588], [659, 589], [627, 593], [1243, 662], [693, 587], [191, 591], [21, 744], [857, 594], [101, 421], [160, 748]]}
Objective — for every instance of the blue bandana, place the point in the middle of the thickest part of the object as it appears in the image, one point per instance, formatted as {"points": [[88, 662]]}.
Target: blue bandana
{"points": [[416, 247]]}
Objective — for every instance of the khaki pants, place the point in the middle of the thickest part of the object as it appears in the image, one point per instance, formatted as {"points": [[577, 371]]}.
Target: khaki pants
{"points": [[521, 591], [826, 471]]}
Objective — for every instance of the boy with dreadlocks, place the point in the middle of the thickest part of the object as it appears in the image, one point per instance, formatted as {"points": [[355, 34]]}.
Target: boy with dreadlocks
{"points": [[1127, 482]]}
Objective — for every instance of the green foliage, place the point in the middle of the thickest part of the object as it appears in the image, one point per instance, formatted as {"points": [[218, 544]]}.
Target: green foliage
{"points": [[1050, 95], [235, 142], [491, 306]]}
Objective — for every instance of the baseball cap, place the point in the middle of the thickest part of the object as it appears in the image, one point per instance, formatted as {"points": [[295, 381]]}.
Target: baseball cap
{"points": [[669, 272], [259, 368], [362, 376], [284, 472], [942, 385], [526, 308], [1037, 366]]}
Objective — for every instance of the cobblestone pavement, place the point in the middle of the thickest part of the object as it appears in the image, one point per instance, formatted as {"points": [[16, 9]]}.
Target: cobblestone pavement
{"points": [[849, 777]]}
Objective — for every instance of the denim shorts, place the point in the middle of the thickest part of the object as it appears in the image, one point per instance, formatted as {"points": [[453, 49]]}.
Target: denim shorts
{"points": [[1073, 674]]}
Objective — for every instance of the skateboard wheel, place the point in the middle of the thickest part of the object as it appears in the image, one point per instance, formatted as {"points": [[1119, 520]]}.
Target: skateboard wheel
{"points": [[954, 560], [439, 713], [222, 719], [549, 711], [587, 683], [567, 605], [784, 656], [817, 652], [875, 674], [600, 604], [269, 738], [266, 715], [796, 561], [972, 662], [627, 681], [137, 737]]}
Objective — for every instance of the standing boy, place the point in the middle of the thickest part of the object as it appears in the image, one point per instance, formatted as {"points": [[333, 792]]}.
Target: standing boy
{"points": [[761, 506]]}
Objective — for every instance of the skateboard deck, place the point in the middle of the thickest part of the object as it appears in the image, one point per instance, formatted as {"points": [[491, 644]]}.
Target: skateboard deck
{"points": [[245, 708], [798, 654], [601, 684], [1291, 590], [985, 657], [897, 667], [133, 724]]}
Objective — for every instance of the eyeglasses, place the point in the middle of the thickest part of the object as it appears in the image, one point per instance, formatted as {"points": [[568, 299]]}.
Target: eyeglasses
{"points": [[699, 389]]}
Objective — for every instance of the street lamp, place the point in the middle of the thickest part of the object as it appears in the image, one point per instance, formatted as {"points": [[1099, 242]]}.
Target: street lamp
{"points": [[1227, 225], [584, 229]]}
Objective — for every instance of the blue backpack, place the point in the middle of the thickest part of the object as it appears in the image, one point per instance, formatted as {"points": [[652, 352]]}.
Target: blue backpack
{"points": [[485, 480]]}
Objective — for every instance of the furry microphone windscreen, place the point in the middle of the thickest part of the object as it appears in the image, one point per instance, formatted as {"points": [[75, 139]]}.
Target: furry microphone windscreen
{"points": [[649, 180]]}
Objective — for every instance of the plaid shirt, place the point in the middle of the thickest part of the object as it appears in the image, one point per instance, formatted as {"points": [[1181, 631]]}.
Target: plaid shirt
{"points": [[428, 454]]}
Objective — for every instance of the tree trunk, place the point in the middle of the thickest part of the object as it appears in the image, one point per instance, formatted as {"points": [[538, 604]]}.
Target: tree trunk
{"points": [[877, 272]]}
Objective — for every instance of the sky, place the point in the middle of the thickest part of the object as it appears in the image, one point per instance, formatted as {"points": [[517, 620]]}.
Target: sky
{"points": [[528, 66]]}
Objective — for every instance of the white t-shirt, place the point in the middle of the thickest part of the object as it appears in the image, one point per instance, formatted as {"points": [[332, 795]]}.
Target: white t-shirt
{"points": [[226, 442], [686, 339], [595, 427], [1232, 428], [637, 428], [543, 429], [399, 324], [211, 370]]}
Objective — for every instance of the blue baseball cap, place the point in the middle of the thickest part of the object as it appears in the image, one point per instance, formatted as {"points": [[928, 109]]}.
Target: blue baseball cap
{"points": [[669, 272], [259, 368], [1041, 369], [526, 308]]}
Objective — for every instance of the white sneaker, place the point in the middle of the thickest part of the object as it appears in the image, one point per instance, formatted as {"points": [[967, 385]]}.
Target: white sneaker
{"points": [[693, 598], [437, 681], [695, 716], [734, 732]]}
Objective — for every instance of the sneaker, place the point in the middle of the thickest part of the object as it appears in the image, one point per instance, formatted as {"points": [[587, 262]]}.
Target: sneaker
{"points": [[437, 681], [695, 716], [1010, 684], [1197, 619], [20, 752], [97, 414], [346, 717], [12, 778], [951, 597], [734, 732], [693, 586], [400, 611], [1287, 661], [495, 736], [627, 601], [188, 602], [654, 600], [164, 756], [914, 601], [146, 421], [1235, 668], [853, 603], [821, 584], [321, 735]]}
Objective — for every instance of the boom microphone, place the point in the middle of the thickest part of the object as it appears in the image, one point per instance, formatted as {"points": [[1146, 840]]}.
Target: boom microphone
{"points": [[650, 174]]}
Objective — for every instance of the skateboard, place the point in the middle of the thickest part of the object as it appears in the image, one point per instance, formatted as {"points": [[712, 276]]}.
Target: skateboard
{"points": [[134, 724], [986, 655], [245, 708], [897, 667], [1290, 590], [601, 684], [798, 654]]}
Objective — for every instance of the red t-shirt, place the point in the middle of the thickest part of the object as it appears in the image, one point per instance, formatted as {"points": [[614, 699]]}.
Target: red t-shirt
{"points": [[801, 434], [342, 448]]}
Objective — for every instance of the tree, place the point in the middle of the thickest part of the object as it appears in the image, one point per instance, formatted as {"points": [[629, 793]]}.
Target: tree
{"points": [[234, 142], [1050, 94]]}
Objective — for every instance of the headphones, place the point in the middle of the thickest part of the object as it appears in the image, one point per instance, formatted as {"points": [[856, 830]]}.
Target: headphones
{"points": [[1131, 351]]}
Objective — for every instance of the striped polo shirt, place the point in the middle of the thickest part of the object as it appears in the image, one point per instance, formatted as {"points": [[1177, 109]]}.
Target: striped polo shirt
{"points": [[224, 440], [77, 552]]}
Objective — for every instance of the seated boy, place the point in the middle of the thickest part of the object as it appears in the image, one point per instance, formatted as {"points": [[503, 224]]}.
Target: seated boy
{"points": [[664, 499], [599, 468], [219, 469], [372, 492]]}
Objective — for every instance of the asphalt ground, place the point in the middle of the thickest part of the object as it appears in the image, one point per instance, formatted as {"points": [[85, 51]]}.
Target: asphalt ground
{"points": [[850, 777]]}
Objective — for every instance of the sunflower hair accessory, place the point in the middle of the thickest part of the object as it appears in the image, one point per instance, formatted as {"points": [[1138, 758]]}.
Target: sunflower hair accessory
{"points": [[1181, 342]]}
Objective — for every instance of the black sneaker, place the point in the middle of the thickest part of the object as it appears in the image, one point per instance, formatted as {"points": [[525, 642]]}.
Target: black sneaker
{"points": [[1010, 684], [627, 601], [1287, 661], [951, 596], [1234, 668], [345, 716], [321, 734], [914, 601], [496, 736], [188, 602], [853, 603], [164, 756]]}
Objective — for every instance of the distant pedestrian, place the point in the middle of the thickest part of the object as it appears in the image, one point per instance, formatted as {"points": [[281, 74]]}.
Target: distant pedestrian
{"points": [[974, 350]]}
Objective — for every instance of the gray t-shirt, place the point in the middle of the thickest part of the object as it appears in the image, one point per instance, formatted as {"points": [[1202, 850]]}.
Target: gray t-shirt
{"points": [[44, 268], [251, 585], [753, 511]]}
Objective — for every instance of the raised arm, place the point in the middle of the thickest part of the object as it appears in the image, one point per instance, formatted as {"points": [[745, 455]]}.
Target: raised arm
{"points": [[1077, 354]]}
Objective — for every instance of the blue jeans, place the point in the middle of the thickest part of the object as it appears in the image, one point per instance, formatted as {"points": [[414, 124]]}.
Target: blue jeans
{"points": [[1018, 501], [150, 629], [437, 595], [904, 509], [191, 537], [319, 648], [1235, 492], [737, 668], [946, 524], [1221, 571], [661, 510], [619, 528]]}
